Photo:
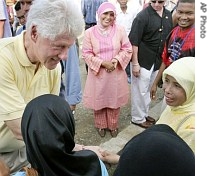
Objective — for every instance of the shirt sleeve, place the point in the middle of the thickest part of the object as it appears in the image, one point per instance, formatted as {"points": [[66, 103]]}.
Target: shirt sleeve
{"points": [[93, 62], [103, 169], [137, 29], [72, 77], [125, 53], [20, 173]]}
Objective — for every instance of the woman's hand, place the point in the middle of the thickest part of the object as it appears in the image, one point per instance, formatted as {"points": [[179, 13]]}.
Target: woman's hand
{"points": [[108, 65], [78, 147], [115, 62]]}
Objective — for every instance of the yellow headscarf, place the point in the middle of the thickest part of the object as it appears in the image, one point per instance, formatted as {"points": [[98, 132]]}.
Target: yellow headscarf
{"points": [[183, 70]]}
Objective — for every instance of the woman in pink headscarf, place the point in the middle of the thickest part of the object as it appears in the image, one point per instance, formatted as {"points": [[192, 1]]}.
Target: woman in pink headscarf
{"points": [[107, 51]]}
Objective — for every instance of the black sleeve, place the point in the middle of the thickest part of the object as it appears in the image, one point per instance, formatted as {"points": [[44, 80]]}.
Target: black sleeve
{"points": [[137, 29]]}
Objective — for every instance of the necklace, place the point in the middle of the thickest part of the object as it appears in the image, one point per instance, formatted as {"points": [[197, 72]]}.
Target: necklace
{"points": [[175, 53], [104, 32]]}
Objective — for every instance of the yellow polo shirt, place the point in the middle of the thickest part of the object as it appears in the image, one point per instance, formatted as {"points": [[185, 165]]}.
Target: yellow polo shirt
{"points": [[19, 85]]}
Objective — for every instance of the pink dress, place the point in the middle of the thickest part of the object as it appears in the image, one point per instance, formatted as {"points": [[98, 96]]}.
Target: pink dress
{"points": [[103, 89]]}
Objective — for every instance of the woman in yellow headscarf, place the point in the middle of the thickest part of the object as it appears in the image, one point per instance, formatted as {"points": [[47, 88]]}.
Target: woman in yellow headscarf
{"points": [[179, 92]]}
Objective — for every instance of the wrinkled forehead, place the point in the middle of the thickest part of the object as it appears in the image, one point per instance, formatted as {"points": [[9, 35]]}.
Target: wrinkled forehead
{"points": [[25, 0]]}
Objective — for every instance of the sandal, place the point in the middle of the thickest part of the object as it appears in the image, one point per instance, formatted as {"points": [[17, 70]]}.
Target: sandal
{"points": [[145, 124], [150, 119], [101, 132], [114, 133]]}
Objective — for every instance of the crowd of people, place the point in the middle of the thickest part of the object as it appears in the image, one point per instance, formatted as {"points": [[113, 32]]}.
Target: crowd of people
{"points": [[40, 85]]}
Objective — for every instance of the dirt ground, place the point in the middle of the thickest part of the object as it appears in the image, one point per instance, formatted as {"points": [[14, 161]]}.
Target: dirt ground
{"points": [[85, 132]]}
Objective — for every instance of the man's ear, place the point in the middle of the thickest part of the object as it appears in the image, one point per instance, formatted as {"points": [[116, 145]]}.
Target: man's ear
{"points": [[34, 34]]}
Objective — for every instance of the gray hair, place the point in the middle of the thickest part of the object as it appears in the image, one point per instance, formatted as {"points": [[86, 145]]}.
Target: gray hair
{"points": [[55, 17]]}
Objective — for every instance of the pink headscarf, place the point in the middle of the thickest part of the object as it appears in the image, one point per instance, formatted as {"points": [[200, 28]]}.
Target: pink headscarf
{"points": [[106, 7]]}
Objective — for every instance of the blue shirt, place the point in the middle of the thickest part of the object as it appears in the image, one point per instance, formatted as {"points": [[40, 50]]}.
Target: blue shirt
{"points": [[20, 30], [73, 88], [104, 171], [89, 9]]}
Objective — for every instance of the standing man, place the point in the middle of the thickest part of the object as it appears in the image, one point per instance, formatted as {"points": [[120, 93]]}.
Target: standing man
{"points": [[181, 41], [125, 16], [89, 9], [21, 18], [148, 33], [71, 86], [29, 67], [5, 28]]}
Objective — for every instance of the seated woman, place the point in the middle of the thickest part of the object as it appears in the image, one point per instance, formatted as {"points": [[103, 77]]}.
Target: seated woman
{"points": [[151, 154], [48, 130], [156, 151], [179, 92]]}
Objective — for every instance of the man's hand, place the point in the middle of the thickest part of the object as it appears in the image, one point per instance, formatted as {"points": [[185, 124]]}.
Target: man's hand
{"points": [[153, 91], [109, 157], [136, 70], [73, 107]]}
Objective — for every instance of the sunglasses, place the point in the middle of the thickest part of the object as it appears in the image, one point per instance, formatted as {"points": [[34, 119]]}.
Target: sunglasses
{"points": [[159, 2]]}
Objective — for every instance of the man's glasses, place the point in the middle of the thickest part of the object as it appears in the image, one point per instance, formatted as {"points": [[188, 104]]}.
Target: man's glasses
{"points": [[159, 2]]}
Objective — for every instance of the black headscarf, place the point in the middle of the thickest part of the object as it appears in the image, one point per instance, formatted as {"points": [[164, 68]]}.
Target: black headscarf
{"points": [[157, 151], [48, 129]]}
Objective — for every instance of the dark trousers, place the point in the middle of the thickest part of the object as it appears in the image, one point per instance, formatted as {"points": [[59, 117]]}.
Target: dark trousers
{"points": [[128, 70], [88, 25]]}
